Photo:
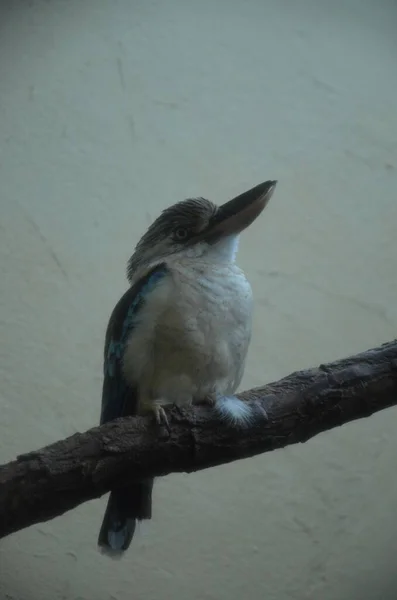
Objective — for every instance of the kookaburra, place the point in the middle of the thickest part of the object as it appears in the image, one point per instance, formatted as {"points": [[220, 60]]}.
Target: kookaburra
{"points": [[180, 333]]}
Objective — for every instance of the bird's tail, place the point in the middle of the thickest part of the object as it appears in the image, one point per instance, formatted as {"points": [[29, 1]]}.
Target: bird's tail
{"points": [[125, 507], [234, 411]]}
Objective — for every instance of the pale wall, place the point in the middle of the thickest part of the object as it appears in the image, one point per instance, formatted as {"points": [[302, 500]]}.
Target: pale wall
{"points": [[109, 112]]}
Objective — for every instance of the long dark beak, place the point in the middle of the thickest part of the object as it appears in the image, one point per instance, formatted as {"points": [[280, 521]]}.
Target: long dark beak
{"points": [[236, 215]]}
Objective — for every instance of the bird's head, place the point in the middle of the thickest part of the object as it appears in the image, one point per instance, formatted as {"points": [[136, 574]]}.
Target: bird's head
{"points": [[198, 227]]}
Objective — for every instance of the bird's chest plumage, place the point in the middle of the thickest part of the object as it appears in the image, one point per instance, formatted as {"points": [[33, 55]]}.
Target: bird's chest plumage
{"points": [[213, 315], [193, 338]]}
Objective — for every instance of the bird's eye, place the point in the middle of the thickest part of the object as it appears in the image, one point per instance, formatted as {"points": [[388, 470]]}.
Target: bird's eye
{"points": [[180, 234]]}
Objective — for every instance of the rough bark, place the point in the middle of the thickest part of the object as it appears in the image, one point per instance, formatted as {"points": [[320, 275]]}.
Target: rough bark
{"points": [[46, 483]]}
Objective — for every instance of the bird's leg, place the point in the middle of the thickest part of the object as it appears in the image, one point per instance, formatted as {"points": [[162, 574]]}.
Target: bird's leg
{"points": [[161, 416], [208, 400], [154, 407]]}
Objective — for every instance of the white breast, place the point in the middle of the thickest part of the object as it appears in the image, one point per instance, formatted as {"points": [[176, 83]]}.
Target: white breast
{"points": [[193, 334]]}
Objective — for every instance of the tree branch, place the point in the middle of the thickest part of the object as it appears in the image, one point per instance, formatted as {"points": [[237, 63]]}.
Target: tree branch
{"points": [[44, 484]]}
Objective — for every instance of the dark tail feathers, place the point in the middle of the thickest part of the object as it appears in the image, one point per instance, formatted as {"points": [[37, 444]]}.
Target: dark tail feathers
{"points": [[125, 507]]}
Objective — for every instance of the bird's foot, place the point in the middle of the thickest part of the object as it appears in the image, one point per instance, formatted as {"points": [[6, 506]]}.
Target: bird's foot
{"points": [[209, 400], [161, 417], [260, 410]]}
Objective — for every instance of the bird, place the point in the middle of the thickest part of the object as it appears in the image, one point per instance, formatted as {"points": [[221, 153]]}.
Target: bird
{"points": [[180, 333]]}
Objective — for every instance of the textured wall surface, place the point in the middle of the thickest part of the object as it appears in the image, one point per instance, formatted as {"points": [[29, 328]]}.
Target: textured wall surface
{"points": [[109, 111]]}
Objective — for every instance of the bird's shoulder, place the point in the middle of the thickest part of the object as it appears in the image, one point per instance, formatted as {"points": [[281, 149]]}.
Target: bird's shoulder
{"points": [[152, 283]]}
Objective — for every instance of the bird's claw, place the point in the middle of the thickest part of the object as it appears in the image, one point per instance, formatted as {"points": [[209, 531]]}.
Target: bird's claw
{"points": [[161, 418], [263, 413], [209, 400]]}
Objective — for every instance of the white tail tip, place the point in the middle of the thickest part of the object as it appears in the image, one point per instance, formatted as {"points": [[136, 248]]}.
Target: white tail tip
{"points": [[113, 554]]}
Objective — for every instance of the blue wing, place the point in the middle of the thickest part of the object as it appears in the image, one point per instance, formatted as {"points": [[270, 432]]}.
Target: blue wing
{"points": [[118, 397]]}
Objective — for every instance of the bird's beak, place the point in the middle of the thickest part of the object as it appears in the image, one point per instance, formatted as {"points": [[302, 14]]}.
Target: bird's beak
{"points": [[236, 215]]}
